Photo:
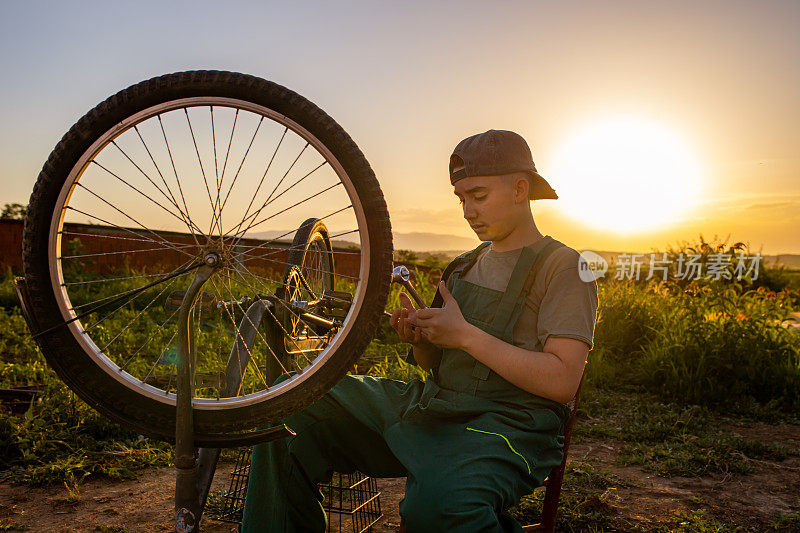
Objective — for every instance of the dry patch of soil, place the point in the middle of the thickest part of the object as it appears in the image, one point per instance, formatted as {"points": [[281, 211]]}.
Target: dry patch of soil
{"points": [[145, 504]]}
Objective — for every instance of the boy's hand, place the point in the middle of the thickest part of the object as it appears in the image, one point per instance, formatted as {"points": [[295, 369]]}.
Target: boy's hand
{"points": [[445, 326], [404, 320]]}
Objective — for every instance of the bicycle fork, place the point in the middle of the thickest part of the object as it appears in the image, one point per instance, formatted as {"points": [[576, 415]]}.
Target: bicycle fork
{"points": [[193, 478]]}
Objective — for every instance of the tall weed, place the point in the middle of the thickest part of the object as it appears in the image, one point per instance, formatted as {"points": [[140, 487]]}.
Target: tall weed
{"points": [[721, 346]]}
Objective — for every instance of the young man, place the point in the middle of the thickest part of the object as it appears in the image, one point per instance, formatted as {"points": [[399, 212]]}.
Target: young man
{"points": [[506, 338]]}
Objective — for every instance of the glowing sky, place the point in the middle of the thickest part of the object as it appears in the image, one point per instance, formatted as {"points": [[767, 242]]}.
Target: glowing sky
{"points": [[409, 80]]}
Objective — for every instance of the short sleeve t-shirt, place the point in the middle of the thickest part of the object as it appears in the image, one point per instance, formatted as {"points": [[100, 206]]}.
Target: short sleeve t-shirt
{"points": [[559, 303]]}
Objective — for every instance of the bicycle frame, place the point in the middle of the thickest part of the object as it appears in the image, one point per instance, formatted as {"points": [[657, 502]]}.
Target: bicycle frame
{"points": [[196, 467]]}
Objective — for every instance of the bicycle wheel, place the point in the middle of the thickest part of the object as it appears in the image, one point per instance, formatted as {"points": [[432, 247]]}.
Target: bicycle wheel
{"points": [[157, 179], [307, 280]]}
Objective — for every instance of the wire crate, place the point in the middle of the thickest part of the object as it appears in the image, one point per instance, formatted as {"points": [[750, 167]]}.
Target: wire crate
{"points": [[233, 498], [352, 499]]}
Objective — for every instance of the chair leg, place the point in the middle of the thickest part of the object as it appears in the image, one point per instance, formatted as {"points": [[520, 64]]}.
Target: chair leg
{"points": [[552, 495]]}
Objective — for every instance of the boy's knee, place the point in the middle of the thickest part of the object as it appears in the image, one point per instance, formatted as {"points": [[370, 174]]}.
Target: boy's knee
{"points": [[434, 510]]}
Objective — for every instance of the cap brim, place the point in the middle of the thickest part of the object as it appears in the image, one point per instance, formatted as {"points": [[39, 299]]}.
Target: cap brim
{"points": [[540, 189]]}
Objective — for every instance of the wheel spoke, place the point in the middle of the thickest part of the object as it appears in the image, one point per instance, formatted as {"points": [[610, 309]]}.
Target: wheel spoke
{"points": [[296, 247], [169, 197], [106, 280], [202, 171], [183, 269], [214, 144], [287, 209], [261, 182], [133, 293], [275, 239], [162, 239], [135, 189], [250, 358], [174, 170], [164, 181], [124, 229], [255, 214], [124, 252], [216, 161], [252, 257], [292, 186], [145, 308], [158, 360], [239, 170], [113, 237], [152, 335]]}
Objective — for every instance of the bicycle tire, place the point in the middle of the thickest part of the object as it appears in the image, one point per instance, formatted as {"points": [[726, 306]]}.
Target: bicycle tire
{"points": [[287, 334], [98, 386]]}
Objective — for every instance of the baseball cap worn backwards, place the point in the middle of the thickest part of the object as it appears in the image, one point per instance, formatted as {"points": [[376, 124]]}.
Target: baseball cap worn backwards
{"points": [[497, 152]]}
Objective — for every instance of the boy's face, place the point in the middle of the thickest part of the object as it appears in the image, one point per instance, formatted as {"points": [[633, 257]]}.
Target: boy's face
{"points": [[491, 204]]}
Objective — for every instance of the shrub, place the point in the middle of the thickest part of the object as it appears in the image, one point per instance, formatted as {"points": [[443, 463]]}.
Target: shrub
{"points": [[624, 326], [721, 346]]}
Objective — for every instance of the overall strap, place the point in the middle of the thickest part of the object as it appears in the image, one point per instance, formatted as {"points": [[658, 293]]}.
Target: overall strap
{"points": [[551, 247], [505, 316], [516, 283], [519, 284], [456, 267]]}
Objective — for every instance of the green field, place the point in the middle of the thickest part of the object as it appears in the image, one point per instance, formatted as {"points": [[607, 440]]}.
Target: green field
{"points": [[674, 365]]}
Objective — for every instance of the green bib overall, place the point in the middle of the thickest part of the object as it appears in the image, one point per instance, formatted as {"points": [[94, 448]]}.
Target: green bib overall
{"points": [[469, 442]]}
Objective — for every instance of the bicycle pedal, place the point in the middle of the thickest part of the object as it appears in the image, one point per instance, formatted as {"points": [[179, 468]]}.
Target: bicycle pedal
{"points": [[337, 299], [206, 302]]}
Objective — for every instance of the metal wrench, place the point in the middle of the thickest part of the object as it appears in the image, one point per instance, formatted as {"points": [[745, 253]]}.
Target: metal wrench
{"points": [[401, 275]]}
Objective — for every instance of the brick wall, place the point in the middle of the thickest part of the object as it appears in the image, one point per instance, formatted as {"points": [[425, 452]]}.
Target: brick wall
{"points": [[11, 246], [135, 247]]}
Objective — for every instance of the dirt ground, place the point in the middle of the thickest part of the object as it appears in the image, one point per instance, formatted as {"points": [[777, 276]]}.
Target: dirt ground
{"points": [[145, 504]]}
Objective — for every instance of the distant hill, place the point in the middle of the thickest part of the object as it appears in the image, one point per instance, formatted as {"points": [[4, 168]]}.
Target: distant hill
{"points": [[787, 260], [447, 246], [286, 236], [791, 261], [426, 242], [417, 241]]}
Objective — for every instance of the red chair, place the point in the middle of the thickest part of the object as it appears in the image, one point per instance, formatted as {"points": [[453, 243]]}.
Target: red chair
{"points": [[552, 483]]}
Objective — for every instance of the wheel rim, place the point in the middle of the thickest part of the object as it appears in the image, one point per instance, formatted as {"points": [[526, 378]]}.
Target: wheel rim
{"points": [[309, 280], [207, 232]]}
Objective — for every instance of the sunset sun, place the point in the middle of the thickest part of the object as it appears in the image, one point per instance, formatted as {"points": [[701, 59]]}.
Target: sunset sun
{"points": [[626, 175]]}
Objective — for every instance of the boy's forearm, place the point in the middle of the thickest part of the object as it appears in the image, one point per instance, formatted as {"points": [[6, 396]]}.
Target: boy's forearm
{"points": [[540, 373]]}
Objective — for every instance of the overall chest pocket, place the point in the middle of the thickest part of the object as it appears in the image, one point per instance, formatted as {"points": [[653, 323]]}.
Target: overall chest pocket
{"points": [[478, 304]]}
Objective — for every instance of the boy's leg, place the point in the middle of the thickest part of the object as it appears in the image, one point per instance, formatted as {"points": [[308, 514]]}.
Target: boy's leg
{"points": [[342, 432], [464, 480]]}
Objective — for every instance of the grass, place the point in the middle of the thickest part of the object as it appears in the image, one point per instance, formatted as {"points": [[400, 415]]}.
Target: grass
{"points": [[787, 522], [670, 439], [718, 345], [666, 439], [216, 504], [586, 502], [698, 344], [674, 365], [60, 439]]}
